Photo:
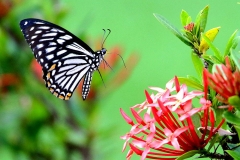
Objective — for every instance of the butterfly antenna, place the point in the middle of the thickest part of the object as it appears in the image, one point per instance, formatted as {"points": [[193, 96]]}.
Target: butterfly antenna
{"points": [[101, 77], [103, 40], [122, 60], [104, 32], [107, 64]]}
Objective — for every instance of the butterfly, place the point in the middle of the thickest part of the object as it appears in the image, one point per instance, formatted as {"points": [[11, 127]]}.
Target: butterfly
{"points": [[64, 58]]}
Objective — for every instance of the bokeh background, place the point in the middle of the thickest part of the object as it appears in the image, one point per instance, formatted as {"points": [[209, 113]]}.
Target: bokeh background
{"points": [[34, 124]]}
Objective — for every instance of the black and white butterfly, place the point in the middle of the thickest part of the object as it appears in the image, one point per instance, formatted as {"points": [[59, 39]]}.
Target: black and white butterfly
{"points": [[65, 59]]}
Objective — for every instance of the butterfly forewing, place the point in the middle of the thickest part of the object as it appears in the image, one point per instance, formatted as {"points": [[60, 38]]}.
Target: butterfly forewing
{"points": [[65, 59]]}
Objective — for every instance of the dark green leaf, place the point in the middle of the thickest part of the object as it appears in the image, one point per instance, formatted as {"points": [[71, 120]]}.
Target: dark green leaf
{"points": [[173, 29]]}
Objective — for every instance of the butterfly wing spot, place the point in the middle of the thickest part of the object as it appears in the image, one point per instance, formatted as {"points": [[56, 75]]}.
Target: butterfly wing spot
{"points": [[39, 46], [55, 94], [68, 96], [52, 67], [33, 37], [51, 90], [38, 32], [61, 96], [50, 49], [32, 28], [66, 37], [48, 84], [48, 75], [60, 41]]}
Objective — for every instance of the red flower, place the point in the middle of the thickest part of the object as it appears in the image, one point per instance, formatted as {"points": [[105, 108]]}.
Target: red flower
{"points": [[167, 133], [189, 27], [225, 81]]}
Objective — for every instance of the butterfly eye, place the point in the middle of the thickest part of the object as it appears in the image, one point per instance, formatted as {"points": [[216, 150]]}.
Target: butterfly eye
{"points": [[64, 58]]}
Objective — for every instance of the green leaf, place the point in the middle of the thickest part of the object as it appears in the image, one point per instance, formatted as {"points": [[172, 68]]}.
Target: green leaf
{"points": [[173, 29], [233, 154], [191, 83], [194, 79], [235, 55], [234, 101], [198, 64], [184, 18], [212, 142], [201, 21], [215, 60], [231, 118], [215, 50], [203, 18], [230, 44], [188, 154]]}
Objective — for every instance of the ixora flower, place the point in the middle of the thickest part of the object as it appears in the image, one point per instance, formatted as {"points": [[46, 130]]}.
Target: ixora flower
{"points": [[166, 124], [225, 81]]}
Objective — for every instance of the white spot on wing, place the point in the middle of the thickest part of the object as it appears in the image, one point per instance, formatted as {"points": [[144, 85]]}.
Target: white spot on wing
{"points": [[49, 34], [61, 52], [43, 27], [39, 46], [39, 53], [38, 22], [46, 39], [31, 28], [25, 23], [37, 32], [50, 56], [52, 44], [60, 41], [66, 37], [33, 37], [50, 49]]}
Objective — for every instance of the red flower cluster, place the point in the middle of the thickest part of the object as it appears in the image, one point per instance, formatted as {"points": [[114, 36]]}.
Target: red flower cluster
{"points": [[167, 130], [225, 81]]}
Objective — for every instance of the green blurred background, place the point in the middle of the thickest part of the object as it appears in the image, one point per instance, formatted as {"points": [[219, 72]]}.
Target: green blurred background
{"points": [[37, 125]]}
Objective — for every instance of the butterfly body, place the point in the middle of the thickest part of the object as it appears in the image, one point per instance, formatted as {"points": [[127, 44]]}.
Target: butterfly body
{"points": [[65, 59]]}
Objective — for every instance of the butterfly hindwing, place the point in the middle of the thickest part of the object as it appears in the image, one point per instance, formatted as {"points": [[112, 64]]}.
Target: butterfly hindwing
{"points": [[65, 59]]}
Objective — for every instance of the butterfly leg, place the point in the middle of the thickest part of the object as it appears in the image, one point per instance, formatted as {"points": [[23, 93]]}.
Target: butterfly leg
{"points": [[86, 85]]}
